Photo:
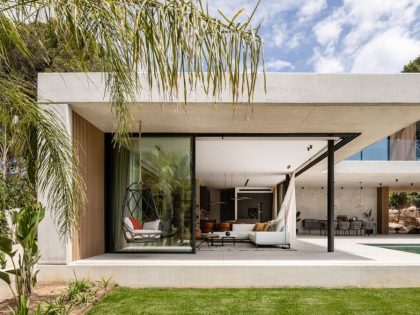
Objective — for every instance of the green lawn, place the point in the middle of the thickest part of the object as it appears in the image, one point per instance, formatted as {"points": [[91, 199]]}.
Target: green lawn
{"points": [[260, 301]]}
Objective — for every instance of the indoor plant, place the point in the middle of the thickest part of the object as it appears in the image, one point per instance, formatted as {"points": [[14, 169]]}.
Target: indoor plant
{"points": [[368, 224]]}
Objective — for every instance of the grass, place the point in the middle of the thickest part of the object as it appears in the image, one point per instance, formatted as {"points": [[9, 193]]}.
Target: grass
{"points": [[260, 301]]}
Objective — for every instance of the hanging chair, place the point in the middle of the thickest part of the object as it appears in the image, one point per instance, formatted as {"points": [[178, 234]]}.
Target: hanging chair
{"points": [[139, 203]]}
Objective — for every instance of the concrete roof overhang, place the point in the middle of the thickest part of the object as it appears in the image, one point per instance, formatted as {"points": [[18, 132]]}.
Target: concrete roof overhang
{"points": [[372, 105]]}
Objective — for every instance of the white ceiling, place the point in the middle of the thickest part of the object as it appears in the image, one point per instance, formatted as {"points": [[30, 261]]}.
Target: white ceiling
{"points": [[228, 162]]}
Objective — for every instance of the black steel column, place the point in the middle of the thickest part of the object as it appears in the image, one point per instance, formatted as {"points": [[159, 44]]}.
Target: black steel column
{"points": [[330, 195]]}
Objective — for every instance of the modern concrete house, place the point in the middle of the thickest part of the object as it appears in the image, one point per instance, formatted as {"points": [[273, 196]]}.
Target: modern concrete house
{"points": [[206, 163]]}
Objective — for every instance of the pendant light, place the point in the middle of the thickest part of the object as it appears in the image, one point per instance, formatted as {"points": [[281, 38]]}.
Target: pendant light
{"points": [[360, 205], [237, 198]]}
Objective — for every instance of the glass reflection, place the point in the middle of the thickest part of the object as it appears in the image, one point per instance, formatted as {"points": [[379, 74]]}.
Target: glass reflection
{"points": [[152, 188]]}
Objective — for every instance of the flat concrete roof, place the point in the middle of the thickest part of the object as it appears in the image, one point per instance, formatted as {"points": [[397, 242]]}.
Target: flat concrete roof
{"points": [[281, 88], [374, 105]]}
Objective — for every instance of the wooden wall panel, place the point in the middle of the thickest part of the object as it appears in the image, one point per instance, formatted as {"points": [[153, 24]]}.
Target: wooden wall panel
{"points": [[89, 240], [383, 210]]}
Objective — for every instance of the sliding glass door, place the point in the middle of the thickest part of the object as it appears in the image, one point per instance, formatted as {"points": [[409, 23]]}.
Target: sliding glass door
{"points": [[150, 195]]}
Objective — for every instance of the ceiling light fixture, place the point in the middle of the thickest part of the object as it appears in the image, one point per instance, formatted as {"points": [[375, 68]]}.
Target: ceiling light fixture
{"points": [[360, 205], [235, 194]]}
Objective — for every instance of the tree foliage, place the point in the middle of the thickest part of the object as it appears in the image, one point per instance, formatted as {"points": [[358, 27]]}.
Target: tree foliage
{"points": [[169, 45], [48, 54], [399, 200], [412, 66]]}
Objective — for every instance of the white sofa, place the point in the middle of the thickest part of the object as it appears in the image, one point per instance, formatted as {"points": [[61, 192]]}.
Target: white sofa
{"points": [[241, 231], [270, 238], [244, 231]]}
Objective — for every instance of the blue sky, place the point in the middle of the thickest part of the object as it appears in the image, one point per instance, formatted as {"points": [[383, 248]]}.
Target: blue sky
{"points": [[374, 36]]}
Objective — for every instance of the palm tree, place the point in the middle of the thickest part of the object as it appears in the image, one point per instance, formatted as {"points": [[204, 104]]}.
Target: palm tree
{"points": [[170, 45], [35, 148]]}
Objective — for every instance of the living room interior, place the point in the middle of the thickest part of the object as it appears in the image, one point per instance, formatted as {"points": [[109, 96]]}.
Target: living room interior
{"points": [[215, 190], [241, 184]]}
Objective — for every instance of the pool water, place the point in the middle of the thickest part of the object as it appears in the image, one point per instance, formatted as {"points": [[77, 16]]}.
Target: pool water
{"points": [[409, 248]]}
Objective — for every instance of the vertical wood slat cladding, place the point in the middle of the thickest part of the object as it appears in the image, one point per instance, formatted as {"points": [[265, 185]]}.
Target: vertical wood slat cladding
{"points": [[383, 210], [89, 240]]}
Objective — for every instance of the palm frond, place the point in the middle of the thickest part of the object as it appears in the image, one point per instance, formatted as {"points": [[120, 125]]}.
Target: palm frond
{"points": [[171, 45], [54, 163], [174, 46]]}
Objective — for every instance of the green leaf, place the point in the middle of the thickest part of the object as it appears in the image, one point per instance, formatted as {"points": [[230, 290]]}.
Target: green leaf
{"points": [[5, 277], [15, 272], [6, 245]]}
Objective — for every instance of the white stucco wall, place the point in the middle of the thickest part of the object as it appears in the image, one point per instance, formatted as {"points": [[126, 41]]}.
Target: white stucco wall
{"points": [[312, 202]]}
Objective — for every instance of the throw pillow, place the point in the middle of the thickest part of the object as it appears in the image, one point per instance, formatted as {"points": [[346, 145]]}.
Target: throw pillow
{"points": [[152, 225], [259, 227], [128, 223], [136, 223], [267, 226]]}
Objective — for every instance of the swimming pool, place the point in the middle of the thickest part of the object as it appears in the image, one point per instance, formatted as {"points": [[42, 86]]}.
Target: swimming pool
{"points": [[409, 248]]}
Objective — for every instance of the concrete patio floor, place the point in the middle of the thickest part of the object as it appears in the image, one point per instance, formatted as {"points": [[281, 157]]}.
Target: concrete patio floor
{"points": [[306, 250], [308, 264]]}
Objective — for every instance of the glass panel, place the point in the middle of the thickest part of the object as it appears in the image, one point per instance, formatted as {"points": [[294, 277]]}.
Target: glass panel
{"points": [[378, 151], [158, 195]]}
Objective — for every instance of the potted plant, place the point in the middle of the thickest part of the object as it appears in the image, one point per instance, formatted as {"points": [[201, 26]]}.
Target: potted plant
{"points": [[297, 221], [368, 224]]}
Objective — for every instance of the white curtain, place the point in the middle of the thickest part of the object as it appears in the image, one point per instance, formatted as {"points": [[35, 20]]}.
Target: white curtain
{"points": [[287, 213]]}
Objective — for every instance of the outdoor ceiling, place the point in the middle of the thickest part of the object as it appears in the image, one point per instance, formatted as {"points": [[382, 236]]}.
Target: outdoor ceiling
{"points": [[396, 175], [230, 161]]}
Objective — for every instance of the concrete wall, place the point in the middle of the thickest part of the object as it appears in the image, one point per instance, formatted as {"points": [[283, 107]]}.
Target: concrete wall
{"points": [[54, 250], [312, 202], [242, 275]]}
